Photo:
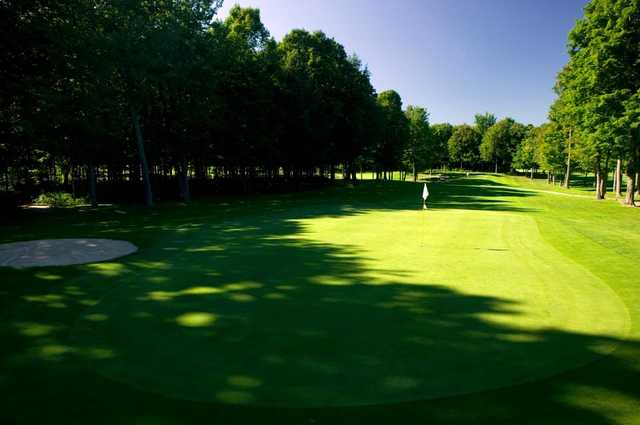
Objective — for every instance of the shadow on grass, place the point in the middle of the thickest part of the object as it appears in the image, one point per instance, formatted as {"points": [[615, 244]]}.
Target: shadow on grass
{"points": [[225, 309]]}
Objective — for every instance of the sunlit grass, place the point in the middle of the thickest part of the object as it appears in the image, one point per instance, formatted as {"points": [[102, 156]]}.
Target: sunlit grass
{"points": [[352, 296]]}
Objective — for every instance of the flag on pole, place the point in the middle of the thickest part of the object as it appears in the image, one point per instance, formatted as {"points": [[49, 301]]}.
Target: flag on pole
{"points": [[425, 195]]}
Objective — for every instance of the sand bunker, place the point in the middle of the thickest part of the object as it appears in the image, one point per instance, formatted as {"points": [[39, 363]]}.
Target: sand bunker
{"points": [[62, 252]]}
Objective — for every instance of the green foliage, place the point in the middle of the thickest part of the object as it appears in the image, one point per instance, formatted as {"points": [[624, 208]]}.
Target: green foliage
{"points": [[418, 155], [527, 152], [483, 122], [395, 134], [500, 143], [205, 96], [328, 101], [59, 200], [598, 89], [551, 153], [245, 26], [439, 147], [464, 146]]}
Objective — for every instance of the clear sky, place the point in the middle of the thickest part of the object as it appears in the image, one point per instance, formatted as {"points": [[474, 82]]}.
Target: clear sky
{"points": [[454, 57]]}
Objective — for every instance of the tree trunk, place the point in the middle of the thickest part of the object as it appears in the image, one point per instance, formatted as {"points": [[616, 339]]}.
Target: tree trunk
{"points": [[74, 181], [600, 183], [531, 173], [567, 173], [65, 176], [629, 198], [617, 185], [415, 173], [496, 167], [91, 175], [183, 181], [148, 197]]}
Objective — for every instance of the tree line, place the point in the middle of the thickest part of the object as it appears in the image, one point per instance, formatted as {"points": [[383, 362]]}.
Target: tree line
{"points": [[158, 98], [161, 94], [594, 124]]}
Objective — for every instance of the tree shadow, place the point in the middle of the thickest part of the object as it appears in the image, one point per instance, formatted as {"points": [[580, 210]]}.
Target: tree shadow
{"points": [[477, 194], [230, 315]]}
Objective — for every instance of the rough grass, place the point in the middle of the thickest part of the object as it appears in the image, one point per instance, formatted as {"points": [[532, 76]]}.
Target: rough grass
{"points": [[502, 303]]}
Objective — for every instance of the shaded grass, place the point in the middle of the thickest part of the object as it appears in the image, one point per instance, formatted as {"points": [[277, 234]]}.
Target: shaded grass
{"points": [[332, 298]]}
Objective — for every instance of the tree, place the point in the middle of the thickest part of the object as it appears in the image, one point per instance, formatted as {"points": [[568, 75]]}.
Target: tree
{"points": [[116, 94], [417, 153], [495, 141], [601, 82], [551, 149], [464, 145], [500, 142], [395, 132], [326, 96], [563, 113], [438, 143], [527, 152], [483, 122]]}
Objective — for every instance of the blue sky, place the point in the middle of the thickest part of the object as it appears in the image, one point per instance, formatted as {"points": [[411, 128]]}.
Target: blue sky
{"points": [[454, 57]]}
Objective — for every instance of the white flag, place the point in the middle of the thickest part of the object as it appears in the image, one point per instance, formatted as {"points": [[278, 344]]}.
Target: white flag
{"points": [[425, 192]]}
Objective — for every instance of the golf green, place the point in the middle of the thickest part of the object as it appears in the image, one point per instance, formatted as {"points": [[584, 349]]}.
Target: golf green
{"points": [[348, 297], [436, 303]]}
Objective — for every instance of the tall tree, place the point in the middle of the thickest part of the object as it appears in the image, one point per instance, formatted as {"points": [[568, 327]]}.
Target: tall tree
{"points": [[417, 152], [483, 122], [602, 80], [551, 150], [395, 132], [527, 152], [500, 142], [438, 143], [464, 146]]}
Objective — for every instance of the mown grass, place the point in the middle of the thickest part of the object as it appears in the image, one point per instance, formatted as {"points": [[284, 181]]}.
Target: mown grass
{"points": [[502, 303]]}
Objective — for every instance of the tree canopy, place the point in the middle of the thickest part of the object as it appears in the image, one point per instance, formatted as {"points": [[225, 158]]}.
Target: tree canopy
{"points": [[599, 89], [464, 145]]}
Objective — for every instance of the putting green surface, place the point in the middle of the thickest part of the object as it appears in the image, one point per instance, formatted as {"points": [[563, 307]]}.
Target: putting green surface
{"points": [[349, 297]]}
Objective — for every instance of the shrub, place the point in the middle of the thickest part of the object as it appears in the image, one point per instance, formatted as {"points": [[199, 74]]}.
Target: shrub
{"points": [[59, 200]]}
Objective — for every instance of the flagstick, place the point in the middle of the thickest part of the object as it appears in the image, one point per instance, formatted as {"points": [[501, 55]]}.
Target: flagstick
{"points": [[425, 195], [422, 231]]}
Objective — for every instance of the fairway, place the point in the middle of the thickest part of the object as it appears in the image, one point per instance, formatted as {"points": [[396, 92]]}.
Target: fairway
{"points": [[349, 297], [261, 212]]}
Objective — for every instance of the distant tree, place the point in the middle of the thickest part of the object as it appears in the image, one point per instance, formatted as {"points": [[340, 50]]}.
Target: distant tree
{"points": [[550, 153], [483, 122], [525, 156], [326, 98], [500, 142], [394, 134], [564, 114], [438, 143], [464, 145], [417, 153]]}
